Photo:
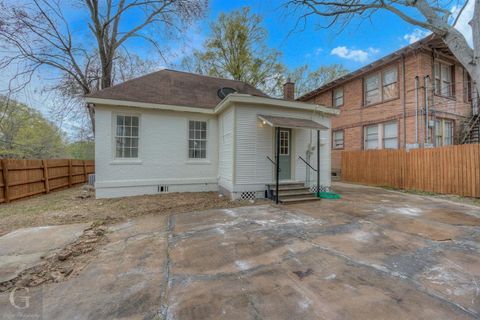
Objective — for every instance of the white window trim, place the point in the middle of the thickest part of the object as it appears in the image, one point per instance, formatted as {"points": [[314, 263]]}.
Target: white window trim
{"points": [[380, 136], [334, 139], [115, 159], [288, 142], [205, 160], [335, 97]]}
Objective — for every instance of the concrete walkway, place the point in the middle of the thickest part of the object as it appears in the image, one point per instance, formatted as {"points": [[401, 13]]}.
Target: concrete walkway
{"points": [[375, 254]]}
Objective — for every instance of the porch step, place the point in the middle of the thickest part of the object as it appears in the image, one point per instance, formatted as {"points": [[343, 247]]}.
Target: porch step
{"points": [[293, 192], [291, 200]]}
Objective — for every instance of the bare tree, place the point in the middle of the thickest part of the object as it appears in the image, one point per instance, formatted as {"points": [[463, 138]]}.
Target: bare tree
{"points": [[37, 34], [432, 15]]}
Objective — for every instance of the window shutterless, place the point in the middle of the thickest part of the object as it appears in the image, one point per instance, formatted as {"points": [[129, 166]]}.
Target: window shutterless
{"points": [[126, 136], [197, 139]]}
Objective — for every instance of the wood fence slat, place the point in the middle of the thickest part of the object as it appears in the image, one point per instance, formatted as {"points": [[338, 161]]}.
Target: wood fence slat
{"points": [[6, 187], [445, 170]]}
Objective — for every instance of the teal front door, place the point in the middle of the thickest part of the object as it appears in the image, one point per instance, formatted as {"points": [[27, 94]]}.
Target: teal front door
{"points": [[285, 161]]}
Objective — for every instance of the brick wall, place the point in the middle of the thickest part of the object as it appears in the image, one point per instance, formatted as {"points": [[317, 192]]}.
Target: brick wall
{"points": [[354, 115]]}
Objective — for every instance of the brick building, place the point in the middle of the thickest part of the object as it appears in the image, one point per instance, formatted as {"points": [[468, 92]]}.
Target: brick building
{"points": [[390, 102]]}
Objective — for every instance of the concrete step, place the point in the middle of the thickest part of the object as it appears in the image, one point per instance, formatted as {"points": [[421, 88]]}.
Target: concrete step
{"points": [[288, 200], [286, 191]]}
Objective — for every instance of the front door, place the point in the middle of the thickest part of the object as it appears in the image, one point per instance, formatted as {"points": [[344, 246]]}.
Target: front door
{"points": [[285, 161]]}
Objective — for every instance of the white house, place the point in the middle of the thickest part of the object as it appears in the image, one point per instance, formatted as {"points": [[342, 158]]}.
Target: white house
{"points": [[172, 131]]}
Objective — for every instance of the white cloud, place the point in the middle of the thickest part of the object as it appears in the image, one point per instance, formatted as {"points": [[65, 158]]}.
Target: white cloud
{"points": [[354, 54], [316, 52], [462, 23], [416, 35]]}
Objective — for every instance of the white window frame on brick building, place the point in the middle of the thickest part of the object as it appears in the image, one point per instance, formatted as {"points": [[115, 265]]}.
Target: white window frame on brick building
{"points": [[381, 136], [444, 79], [443, 132], [381, 86], [338, 97], [338, 139]]}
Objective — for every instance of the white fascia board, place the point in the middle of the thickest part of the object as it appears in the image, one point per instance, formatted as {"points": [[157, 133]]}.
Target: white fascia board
{"points": [[245, 98], [147, 105], [225, 103]]}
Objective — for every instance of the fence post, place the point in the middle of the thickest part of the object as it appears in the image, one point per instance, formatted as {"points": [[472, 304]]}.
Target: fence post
{"points": [[45, 176], [69, 173], [6, 188], [85, 171]]}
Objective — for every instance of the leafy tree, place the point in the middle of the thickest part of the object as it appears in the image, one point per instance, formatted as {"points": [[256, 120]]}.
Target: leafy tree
{"points": [[82, 150], [25, 133], [435, 16], [38, 35], [307, 80], [236, 50]]}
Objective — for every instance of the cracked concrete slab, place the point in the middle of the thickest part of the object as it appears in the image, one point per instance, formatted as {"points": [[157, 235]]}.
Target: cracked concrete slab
{"points": [[25, 248], [375, 254]]}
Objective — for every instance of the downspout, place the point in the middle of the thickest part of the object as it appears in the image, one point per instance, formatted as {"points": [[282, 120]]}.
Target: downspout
{"points": [[277, 131], [404, 104], [318, 163], [416, 110], [427, 129]]}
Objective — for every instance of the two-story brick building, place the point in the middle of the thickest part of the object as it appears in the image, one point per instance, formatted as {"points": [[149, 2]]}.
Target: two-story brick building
{"points": [[418, 96]]}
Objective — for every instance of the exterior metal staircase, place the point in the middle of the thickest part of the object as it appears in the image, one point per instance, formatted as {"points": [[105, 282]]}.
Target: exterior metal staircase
{"points": [[292, 192], [472, 130]]}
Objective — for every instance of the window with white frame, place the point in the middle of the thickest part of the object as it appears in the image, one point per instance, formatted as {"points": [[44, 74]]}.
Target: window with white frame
{"points": [[126, 136], [372, 89], [381, 86], [338, 139], [443, 79], [371, 137], [443, 132], [284, 142], [338, 97], [390, 135], [390, 83], [197, 139]]}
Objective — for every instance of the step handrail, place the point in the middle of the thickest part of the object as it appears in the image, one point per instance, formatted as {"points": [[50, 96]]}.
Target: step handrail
{"points": [[274, 163], [308, 164]]}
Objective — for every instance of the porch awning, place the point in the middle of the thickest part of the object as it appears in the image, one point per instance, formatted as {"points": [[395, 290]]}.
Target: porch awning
{"points": [[287, 122]]}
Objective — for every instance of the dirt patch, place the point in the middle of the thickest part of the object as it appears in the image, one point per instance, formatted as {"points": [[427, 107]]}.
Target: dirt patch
{"points": [[63, 264], [71, 206]]}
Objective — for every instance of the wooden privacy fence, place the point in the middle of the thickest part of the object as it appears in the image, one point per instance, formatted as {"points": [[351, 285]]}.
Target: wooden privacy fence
{"points": [[24, 178], [446, 170]]}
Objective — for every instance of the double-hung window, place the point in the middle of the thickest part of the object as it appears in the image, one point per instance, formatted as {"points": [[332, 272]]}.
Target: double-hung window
{"points": [[371, 137], [126, 136], [390, 83], [390, 135], [443, 132], [381, 86], [443, 79], [197, 139], [338, 97], [338, 139], [372, 89]]}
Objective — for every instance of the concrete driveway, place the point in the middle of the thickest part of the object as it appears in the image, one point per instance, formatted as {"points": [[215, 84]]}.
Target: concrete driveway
{"points": [[375, 254]]}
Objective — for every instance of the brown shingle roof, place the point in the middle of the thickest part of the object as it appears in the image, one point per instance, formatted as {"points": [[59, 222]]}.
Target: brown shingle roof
{"points": [[174, 88]]}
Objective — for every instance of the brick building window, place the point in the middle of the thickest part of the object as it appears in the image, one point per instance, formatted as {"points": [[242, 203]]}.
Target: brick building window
{"points": [[381, 86], [338, 139], [371, 137], [390, 135], [443, 132], [338, 97], [444, 85]]}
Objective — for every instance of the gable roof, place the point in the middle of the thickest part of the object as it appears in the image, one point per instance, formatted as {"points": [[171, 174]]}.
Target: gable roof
{"points": [[171, 87], [431, 42]]}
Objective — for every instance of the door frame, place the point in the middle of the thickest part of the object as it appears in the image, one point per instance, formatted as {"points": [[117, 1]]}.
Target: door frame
{"points": [[291, 152]]}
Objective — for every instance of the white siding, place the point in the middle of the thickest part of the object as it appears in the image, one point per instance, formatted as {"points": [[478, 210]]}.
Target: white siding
{"points": [[225, 148], [163, 154], [254, 141]]}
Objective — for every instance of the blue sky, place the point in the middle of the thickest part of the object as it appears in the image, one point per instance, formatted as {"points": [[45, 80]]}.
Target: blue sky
{"points": [[360, 43]]}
